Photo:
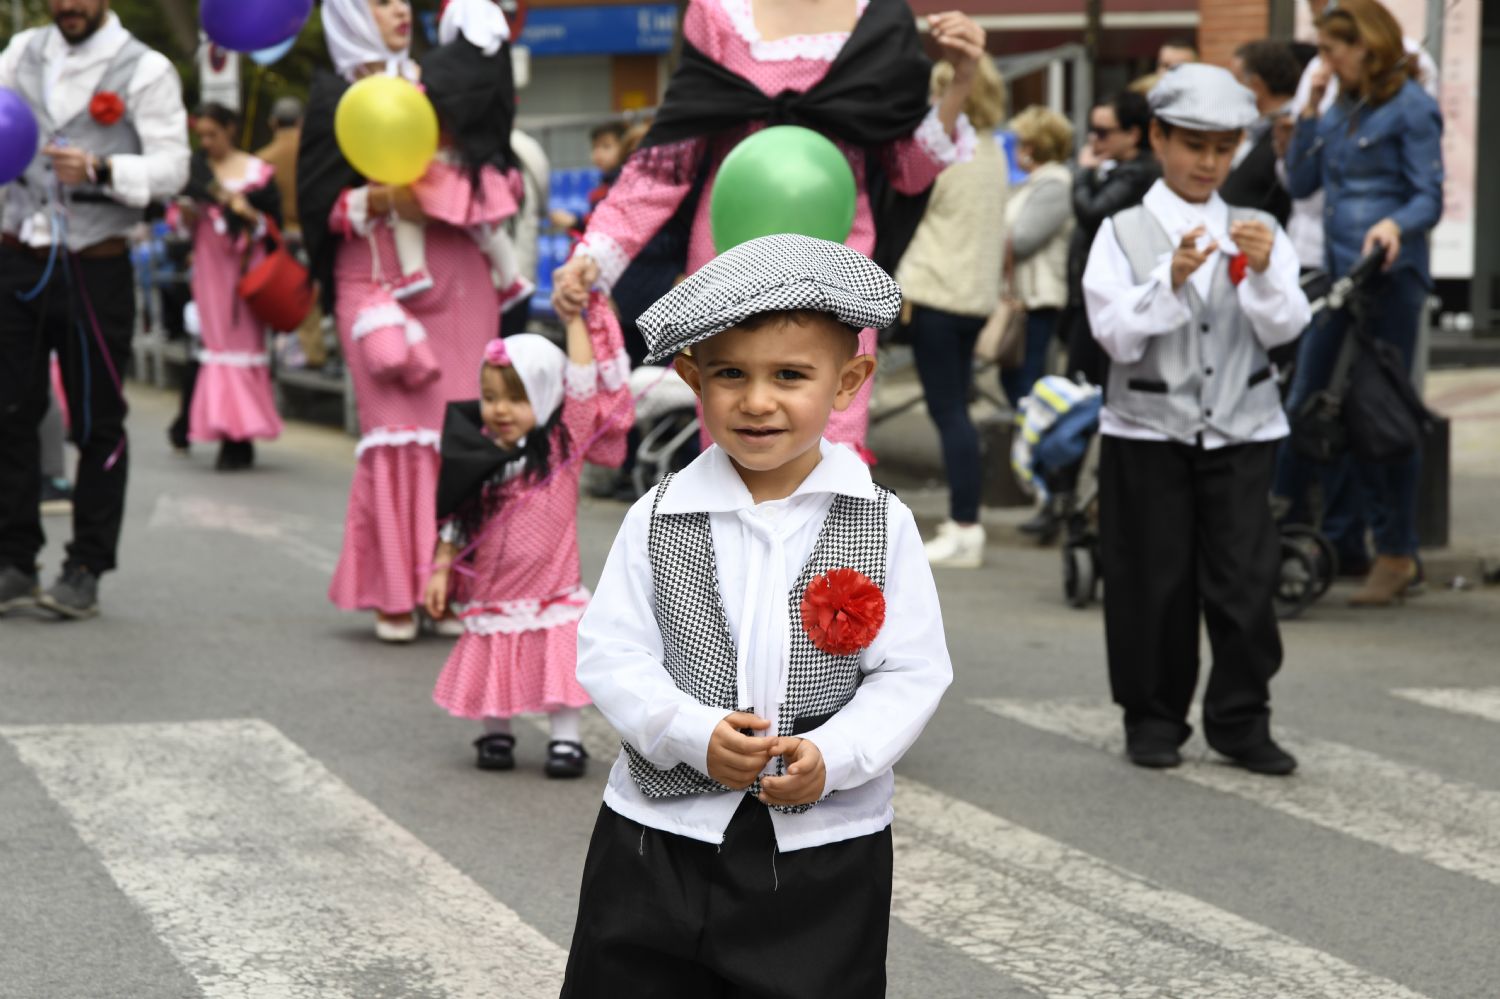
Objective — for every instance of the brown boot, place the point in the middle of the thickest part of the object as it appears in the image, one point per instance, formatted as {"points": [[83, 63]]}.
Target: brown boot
{"points": [[1387, 582]]}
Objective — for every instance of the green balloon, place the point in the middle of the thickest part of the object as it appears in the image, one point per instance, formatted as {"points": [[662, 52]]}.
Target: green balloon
{"points": [[782, 179]]}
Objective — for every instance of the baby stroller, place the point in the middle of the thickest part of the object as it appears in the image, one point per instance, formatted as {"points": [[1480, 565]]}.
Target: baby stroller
{"points": [[1309, 563], [1057, 453], [666, 415]]}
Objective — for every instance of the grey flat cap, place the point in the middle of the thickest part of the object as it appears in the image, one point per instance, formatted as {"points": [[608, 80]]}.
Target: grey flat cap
{"points": [[1203, 97], [771, 274]]}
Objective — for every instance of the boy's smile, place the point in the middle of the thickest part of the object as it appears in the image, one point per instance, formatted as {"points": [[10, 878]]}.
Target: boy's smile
{"points": [[768, 389]]}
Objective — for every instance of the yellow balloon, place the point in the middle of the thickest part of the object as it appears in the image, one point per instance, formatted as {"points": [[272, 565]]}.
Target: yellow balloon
{"points": [[386, 129]]}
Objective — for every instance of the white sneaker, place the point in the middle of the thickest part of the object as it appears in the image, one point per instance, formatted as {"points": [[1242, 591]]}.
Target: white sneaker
{"points": [[448, 627], [957, 547], [396, 631]]}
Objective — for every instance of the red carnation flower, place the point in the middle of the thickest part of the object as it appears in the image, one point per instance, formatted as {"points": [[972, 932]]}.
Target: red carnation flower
{"points": [[106, 108], [1237, 267], [842, 612]]}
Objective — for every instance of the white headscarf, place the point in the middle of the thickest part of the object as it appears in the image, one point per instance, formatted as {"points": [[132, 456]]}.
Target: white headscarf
{"points": [[482, 22], [354, 40], [541, 365]]}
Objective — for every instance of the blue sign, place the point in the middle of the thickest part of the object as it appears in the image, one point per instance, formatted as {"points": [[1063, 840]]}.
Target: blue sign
{"points": [[641, 29]]}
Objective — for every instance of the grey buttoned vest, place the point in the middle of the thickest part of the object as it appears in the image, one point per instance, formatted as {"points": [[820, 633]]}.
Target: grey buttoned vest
{"points": [[698, 650], [92, 215], [1209, 374]]}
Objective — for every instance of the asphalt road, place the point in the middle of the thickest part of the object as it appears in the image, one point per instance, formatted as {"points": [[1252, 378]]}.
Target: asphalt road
{"points": [[224, 787]]}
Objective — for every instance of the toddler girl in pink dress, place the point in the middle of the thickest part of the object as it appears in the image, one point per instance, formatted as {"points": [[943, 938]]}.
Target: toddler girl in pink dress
{"points": [[507, 559]]}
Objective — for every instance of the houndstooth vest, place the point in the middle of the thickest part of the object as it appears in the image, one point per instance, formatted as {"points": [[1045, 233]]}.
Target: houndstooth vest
{"points": [[699, 652]]}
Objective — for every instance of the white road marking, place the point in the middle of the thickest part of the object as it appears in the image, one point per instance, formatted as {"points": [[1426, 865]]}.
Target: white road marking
{"points": [[1481, 702], [1071, 926], [1451, 824], [281, 530], [269, 878]]}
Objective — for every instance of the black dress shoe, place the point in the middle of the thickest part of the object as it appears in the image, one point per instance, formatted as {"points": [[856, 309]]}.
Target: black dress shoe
{"points": [[495, 751], [566, 759], [235, 456], [1267, 758], [1154, 755]]}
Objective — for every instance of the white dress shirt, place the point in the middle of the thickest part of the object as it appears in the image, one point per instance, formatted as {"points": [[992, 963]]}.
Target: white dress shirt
{"points": [[153, 100], [760, 550], [1305, 225], [1125, 315]]}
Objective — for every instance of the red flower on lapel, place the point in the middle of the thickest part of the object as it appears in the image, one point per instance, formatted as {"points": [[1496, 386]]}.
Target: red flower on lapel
{"points": [[106, 107], [1237, 267], [842, 611]]}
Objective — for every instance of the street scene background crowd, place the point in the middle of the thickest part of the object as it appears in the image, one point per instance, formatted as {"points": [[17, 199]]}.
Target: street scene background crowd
{"points": [[529, 364]]}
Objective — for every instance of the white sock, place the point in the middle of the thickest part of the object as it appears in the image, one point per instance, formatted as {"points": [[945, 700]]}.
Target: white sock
{"points": [[567, 725], [497, 726], [411, 246]]}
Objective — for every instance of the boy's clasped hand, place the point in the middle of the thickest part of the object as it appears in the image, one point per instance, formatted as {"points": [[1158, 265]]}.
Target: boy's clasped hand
{"points": [[736, 760], [1254, 240]]}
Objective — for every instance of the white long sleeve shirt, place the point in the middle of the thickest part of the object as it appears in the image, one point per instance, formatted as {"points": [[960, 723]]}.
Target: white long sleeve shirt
{"points": [[153, 97], [760, 550], [1124, 315]]}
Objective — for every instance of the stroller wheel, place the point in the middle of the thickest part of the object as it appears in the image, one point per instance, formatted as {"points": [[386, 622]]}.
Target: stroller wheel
{"points": [[1325, 559], [1080, 578], [1298, 581]]}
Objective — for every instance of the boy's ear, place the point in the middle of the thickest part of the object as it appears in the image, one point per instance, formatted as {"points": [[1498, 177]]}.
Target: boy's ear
{"points": [[687, 368], [852, 377], [1158, 139]]}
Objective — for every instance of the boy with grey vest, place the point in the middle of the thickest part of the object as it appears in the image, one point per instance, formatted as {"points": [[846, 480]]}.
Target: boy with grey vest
{"points": [[1187, 295], [767, 641]]}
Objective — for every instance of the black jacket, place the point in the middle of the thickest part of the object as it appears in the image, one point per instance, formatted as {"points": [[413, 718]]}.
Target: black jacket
{"points": [[1254, 184], [1095, 200]]}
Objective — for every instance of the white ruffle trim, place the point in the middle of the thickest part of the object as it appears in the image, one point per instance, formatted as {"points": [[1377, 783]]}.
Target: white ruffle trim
{"points": [[605, 252], [234, 358], [825, 47], [942, 147], [614, 371], [398, 437], [415, 331], [581, 381], [357, 210], [511, 617], [378, 318]]}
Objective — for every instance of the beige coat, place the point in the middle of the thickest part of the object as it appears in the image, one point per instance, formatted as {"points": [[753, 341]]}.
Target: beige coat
{"points": [[1041, 280], [953, 263]]}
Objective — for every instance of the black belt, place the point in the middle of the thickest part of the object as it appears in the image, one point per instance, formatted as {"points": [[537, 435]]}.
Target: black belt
{"points": [[115, 246]]}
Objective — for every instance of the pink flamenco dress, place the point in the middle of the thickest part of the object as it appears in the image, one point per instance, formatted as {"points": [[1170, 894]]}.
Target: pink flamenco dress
{"points": [[408, 360], [643, 199], [522, 597], [233, 399]]}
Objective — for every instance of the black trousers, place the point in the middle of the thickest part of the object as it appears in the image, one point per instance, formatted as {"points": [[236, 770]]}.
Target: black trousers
{"points": [[57, 319], [661, 916], [1186, 531]]}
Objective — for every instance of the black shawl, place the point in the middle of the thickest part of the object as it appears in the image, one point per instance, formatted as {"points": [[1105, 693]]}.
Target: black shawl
{"points": [[469, 458], [203, 188], [475, 98], [875, 92], [322, 174]]}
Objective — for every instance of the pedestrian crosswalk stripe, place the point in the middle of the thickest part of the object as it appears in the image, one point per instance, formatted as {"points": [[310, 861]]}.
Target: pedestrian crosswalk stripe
{"points": [[1451, 824], [266, 876], [1481, 702], [1066, 924]]}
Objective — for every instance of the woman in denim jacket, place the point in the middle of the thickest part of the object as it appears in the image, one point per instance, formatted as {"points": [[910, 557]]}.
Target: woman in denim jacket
{"points": [[1377, 156]]}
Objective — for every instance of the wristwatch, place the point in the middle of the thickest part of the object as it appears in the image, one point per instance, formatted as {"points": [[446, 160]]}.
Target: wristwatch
{"points": [[104, 175]]}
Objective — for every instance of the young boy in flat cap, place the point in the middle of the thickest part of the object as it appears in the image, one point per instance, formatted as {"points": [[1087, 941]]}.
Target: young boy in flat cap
{"points": [[766, 639], [1187, 295]]}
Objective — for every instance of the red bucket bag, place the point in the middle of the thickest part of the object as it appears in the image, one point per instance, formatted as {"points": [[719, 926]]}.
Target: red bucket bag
{"points": [[277, 289]]}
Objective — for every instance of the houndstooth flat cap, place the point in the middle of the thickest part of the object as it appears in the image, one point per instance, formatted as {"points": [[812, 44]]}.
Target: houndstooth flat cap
{"points": [[771, 274]]}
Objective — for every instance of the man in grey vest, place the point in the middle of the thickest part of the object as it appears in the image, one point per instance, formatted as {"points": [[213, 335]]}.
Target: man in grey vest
{"points": [[114, 138], [1187, 296]]}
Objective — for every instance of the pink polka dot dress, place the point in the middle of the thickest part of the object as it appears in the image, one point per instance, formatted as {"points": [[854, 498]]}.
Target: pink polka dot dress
{"points": [[521, 605], [642, 201], [408, 360]]}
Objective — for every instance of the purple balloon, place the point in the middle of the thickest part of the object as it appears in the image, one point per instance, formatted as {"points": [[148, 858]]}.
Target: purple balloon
{"points": [[18, 135], [252, 25]]}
